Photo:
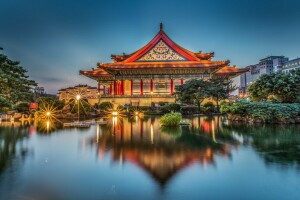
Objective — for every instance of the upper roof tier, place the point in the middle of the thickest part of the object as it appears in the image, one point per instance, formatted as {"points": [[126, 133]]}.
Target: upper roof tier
{"points": [[162, 49], [162, 53]]}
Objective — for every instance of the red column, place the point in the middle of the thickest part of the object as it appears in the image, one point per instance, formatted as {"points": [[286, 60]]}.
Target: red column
{"points": [[122, 87], [103, 89], [118, 88], [110, 89], [181, 81], [151, 85], [141, 89], [171, 86], [115, 87], [131, 87]]}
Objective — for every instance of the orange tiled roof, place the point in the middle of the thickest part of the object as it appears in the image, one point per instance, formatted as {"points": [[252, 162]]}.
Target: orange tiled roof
{"points": [[231, 70], [145, 65], [163, 44], [95, 72], [162, 52]]}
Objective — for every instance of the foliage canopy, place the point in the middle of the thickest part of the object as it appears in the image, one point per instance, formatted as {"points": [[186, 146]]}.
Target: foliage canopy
{"points": [[277, 87], [15, 85]]}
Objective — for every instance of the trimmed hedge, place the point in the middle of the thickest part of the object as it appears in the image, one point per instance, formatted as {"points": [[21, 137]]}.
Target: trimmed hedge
{"points": [[105, 106], [172, 107], [262, 111], [209, 107], [188, 110]]}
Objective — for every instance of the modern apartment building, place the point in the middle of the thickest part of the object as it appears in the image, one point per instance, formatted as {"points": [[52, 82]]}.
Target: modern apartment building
{"points": [[266, 65], [291, 65]]}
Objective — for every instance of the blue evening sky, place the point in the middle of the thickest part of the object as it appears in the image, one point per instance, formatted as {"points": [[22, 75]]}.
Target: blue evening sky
{"points": [[54, 39]]}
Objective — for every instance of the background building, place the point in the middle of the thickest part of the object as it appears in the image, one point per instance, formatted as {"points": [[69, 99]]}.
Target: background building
{"points": [[271, 64], [86, 92], [291, 65], [268, 65]]}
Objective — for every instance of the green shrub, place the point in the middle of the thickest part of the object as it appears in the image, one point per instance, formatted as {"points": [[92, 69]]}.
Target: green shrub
{"points": [[172, 107], [189, 109], [5, 109], [175, 107], [170, 119], [84, 106], [208, 107], [22, 107], [45, 102], [164, 108], [106, 106], [265, 111], [144, 109], [225, 107]]}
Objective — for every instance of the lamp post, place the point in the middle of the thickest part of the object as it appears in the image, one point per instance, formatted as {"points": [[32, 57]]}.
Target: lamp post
{"points": [[78, 99]]}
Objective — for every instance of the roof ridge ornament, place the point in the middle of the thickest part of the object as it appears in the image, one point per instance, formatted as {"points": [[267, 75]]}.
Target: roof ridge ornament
{"points": [[161, 26]]}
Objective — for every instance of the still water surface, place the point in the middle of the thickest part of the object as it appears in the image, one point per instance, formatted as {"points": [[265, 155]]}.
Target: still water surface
{"points": [[134, 158]]}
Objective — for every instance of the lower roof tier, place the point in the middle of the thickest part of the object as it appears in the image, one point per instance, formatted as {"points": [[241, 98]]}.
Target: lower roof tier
{"points": [[149, 73]]}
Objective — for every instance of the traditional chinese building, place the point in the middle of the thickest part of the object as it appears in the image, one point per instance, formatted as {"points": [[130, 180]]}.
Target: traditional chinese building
{"points": [[150, 74], [86, 92]]}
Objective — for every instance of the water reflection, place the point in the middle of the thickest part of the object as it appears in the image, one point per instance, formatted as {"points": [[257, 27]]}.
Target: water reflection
{"points": [[277, 144], [9, 137], [160, 151], [47, 126]]}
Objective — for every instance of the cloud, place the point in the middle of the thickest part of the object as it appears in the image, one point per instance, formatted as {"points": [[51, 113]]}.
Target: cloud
{"points": [[51, 79]]}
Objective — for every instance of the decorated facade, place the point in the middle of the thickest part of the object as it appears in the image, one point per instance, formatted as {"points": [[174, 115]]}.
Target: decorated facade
{"points": [[150, 74]]}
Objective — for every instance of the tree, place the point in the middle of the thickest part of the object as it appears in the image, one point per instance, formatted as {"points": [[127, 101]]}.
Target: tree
{"points": [[14, 83], [278, 87], [261, 88], [195, 91], [219, 89], [192, 92]]}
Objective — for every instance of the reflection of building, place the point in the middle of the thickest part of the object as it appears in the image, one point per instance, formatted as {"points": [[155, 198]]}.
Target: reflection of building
{"points": [[291, 65], [151, 73], [87, 92], [158, 151]]}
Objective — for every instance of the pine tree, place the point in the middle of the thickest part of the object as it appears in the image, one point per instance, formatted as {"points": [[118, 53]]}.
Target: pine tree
{"points": [[15, 86]]}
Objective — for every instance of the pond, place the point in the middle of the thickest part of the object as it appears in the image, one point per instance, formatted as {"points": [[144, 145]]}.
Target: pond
{"points": [[135, 158]]}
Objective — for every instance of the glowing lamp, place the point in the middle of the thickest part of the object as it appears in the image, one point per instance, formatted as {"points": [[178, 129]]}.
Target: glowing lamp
{"points": [[78, 96], [114, 113], [48, 113], [136, 113]]}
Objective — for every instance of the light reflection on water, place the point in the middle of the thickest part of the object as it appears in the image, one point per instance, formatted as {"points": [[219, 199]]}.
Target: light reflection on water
{"points": [[136, 157]]}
